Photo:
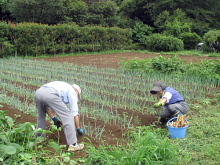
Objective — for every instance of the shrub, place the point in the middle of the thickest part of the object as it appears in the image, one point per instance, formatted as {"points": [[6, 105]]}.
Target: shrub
{"points": [[136, 46], [208, 69], [35, 39], [158, 42], [190, 40], [212, 41], [167, 65], [140, 31], [159, 63], [134, 64]]}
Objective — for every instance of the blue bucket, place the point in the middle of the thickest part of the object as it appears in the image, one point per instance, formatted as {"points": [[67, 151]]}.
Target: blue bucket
{"points": [[178, 132]]}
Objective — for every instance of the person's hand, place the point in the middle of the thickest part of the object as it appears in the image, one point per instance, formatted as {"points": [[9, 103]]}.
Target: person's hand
{"points": [[80, 131], [157, 105], [57, 122]]}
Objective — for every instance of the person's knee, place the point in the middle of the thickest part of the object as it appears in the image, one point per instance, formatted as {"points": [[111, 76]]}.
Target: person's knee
{"points": [[173, 109], [184, 109], [165, 114]]}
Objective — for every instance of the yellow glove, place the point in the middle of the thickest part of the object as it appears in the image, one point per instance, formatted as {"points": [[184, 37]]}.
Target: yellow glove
{"points": [[157, 105]]}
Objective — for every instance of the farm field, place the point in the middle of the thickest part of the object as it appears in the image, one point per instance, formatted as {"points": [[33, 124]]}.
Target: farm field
{"points": [[112, 60], [112, 100]]}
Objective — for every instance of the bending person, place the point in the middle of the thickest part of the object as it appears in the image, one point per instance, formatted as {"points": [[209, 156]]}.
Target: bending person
{"points": [[56, 95], [172, 102]]}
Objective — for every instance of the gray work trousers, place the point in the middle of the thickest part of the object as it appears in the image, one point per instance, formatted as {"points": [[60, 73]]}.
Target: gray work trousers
{"points": [[48, 97], [171, 109]]}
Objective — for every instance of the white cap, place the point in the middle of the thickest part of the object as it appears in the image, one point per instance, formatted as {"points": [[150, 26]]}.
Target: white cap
{"points": [[78, 89]]}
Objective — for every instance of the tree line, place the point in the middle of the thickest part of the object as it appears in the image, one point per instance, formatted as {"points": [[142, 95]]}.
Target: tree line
{"points": [[200, 15], [186, 20]]}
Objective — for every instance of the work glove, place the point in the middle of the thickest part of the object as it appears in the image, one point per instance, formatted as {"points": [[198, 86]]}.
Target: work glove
{"points": [[57, 122], [157, 105], [80, 131]]}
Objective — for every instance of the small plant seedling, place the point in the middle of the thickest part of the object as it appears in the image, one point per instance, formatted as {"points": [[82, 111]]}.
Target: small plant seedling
{"points": [[137, 120]]}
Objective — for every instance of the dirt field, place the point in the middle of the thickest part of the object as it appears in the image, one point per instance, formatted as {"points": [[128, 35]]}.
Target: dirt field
{"points": [[111, 61]]}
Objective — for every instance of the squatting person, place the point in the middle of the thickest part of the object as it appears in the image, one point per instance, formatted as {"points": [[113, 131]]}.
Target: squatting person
{"points": [[56, 95], [172, 102]]}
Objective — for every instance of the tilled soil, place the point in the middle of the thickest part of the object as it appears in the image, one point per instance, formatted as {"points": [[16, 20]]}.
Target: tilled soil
{"points": [[113, 60], [112, 133]]}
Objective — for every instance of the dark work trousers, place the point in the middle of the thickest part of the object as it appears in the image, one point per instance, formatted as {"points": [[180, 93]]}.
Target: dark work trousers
{"points": [[48, 97], [171, 109]]}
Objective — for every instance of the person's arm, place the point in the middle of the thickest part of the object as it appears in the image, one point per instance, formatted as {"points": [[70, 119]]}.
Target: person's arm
{"points": [[166, 96], [49, 112], [79, 130], [160, 103], [73, 98], [163, 101], [55, 120], [76, 118]]}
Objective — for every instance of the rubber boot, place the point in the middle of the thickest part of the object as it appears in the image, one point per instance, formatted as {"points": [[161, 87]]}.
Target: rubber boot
{"points": [[163, 121]]}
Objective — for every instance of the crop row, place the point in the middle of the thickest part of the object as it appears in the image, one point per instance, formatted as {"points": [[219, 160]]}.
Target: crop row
{"points": [[123, 83], [91, 111], [107, 96], [107, 73], [106, 87], [30, 108]]}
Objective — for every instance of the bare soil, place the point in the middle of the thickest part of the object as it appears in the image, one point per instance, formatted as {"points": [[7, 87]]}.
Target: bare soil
{"points": [[112, 133], [112, 60]]}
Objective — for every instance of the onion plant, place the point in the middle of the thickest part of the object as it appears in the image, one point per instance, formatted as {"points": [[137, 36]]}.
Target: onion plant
{"points": [[104, 90]]}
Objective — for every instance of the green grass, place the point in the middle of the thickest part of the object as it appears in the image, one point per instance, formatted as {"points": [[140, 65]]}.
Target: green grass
{"points": [[149, 146], [81, 53], [184, 52], [201, 145]]}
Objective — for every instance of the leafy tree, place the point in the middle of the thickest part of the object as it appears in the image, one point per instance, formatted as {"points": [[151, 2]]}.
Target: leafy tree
{"points": [[4, 12], [161, 19], [216, 23], [77, 11], [173, 24], [47, 12], [125, 22], [141, 9], [175, 28], [103, 13], [201, 10], [3, 37], [202, 13], [140, 31], [212, 41], [3, 5]]}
